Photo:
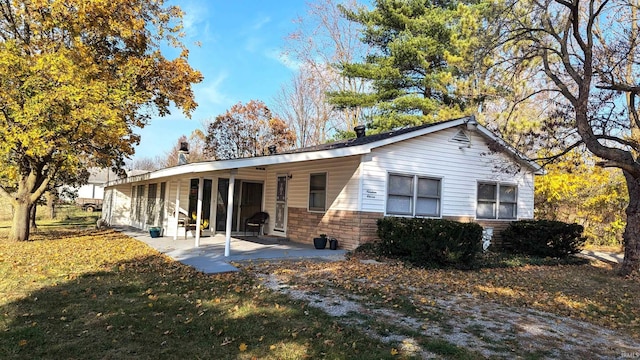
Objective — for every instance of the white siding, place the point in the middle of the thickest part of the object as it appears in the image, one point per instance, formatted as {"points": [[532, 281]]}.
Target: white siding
{"points": [[342, 183], [460, 169], [120, 206]]}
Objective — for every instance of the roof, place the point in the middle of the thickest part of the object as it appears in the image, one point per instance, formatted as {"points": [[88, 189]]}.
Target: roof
{"points": [[349, 147], [103, 175], [366, 139]]}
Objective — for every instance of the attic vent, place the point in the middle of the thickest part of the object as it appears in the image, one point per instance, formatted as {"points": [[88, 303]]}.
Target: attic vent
{"points": [[461, 138]]}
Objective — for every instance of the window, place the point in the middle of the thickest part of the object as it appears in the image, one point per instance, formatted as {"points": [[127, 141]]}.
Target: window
{"points": [[139, 203], [497, 201], [318, 192], [405, 198], [151, 204]]}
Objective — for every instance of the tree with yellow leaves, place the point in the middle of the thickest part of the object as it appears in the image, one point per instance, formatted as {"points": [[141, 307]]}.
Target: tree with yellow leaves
{"points": [[576, 190], [76, 78]]}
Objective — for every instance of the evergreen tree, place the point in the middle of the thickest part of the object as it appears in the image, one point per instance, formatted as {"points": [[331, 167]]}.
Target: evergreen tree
{"points": [[422, 68]]}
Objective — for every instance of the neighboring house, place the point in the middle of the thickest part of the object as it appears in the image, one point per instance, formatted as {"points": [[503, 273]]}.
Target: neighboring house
{"points": [[454, 169], [91, 194]]}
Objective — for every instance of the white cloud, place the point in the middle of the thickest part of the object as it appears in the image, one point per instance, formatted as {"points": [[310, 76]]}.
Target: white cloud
{"points": [[258, 24], [194, 20], [210, 92], [284, 59]]}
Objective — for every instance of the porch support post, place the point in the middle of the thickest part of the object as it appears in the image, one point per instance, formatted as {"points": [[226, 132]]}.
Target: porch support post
{"points": [[227, 244], [177, 212], [199, 210]]}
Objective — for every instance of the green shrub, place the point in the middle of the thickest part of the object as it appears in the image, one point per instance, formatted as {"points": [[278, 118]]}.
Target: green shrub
{"points": [[544, 238], [429, 241]]}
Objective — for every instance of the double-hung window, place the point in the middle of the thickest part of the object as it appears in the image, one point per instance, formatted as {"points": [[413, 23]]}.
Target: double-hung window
{"points": [[413, 195], [318, 192], [497, 201]]}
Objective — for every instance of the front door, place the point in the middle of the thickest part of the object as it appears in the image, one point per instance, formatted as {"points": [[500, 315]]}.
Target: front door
{"points": [[281, 204]]}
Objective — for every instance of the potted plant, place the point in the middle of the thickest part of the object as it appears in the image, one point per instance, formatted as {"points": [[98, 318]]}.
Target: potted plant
{"points": [[203, 225], [320, 242], [154, 232], [333, 243]]}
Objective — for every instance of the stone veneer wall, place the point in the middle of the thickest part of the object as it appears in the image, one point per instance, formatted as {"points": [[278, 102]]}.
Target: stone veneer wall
{"points": [[351, 228], [354, 228]]}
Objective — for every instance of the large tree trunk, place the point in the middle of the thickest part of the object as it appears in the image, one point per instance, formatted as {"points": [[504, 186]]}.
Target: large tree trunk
{"points": [[51, 203], [20, 225], [32, 215], [631, 237]]}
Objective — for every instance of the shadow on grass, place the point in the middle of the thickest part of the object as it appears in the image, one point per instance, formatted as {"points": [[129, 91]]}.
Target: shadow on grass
{"points": [[492, 260], [153, 308]]}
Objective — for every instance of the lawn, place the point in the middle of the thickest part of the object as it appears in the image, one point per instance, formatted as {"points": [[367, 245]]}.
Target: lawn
{"points": [[90, 294], [83, 293]]}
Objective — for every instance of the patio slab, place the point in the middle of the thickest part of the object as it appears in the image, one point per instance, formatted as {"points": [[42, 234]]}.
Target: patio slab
{"points": [[209, 256]]}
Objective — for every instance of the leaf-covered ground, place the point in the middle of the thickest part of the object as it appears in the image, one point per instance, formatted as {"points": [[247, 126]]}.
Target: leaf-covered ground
{"points": [[570, 311], [102, 295]]}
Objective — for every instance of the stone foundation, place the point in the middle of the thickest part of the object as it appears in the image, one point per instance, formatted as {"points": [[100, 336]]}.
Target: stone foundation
{"points": [[351, 228], [354, 228]]}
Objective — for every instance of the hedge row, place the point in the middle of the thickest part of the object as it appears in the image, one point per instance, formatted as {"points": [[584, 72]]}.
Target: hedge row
{"points": [[428, 242], [439, 242], [544, 238]]}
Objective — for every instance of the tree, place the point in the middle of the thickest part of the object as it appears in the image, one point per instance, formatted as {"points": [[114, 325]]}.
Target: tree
{"points": [[304, 107], [323, 39], [76, 78], [197, 144], [576, 190], [247, 130], [422, 68], [588, 53]]}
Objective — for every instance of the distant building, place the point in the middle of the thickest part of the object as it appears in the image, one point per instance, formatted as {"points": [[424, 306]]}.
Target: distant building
{"points": [[90, 195]]}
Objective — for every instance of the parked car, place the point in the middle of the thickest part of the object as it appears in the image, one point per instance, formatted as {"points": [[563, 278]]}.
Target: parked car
{"points": [[89, 205]]}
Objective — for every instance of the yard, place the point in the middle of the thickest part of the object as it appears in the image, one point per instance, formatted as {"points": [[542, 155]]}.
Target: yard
{"points": [[82, 293]]}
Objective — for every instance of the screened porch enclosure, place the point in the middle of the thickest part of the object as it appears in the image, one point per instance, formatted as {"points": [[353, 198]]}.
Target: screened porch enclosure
{"points": [[247, 200]]}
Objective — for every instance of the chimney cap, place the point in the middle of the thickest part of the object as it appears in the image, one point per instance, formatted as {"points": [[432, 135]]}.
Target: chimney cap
{"points": [[184, 146], [360, 131]]}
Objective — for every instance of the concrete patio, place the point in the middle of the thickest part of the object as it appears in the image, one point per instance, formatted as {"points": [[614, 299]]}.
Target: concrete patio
{"points": [[209, 256]]}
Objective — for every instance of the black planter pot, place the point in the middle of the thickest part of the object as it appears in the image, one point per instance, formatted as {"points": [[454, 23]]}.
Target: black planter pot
{"points": [[320, 242], [333, 244]]}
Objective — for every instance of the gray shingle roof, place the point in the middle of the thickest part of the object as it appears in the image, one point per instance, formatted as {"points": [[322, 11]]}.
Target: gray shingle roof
{"points": [[363, 140]]}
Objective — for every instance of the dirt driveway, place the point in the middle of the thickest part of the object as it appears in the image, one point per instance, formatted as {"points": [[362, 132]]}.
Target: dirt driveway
{"points": [[434, 319]]}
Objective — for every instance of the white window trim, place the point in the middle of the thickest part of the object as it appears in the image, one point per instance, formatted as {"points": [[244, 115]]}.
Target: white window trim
{"points": [[326, 190], [497, 200], [416, 177]]}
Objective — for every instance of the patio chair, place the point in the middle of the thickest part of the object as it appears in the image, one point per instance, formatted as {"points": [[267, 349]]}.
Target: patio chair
{"points": [[257, 220]]}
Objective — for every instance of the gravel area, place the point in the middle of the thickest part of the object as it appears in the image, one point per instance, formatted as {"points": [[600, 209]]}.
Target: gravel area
{"points": [[487, 328]]}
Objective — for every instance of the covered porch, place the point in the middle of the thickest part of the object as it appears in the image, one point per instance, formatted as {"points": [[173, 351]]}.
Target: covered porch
{"points": [[209, 257]]}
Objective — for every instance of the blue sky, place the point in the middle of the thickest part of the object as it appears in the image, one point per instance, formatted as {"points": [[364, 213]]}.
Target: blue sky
{"points": [[240, 57]]}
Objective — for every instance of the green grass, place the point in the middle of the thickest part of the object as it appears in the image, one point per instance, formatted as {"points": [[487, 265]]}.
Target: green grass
{"points": [[67, 216], [100, 295]]}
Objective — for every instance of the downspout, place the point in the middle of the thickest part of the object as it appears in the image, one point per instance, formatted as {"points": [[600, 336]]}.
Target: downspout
{"points": [[227, 244]]}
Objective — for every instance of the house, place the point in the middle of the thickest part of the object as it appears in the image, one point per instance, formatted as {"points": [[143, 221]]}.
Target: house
{"points": [[455, 169], [91, 194]]}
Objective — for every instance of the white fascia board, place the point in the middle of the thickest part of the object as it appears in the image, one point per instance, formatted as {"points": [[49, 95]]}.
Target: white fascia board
{"points": [[413, 134], [221, 165]]}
